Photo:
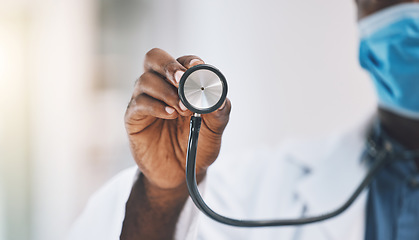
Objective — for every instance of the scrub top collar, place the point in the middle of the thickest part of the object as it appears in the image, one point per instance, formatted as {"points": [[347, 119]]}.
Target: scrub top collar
{"points": [[379, 140]]}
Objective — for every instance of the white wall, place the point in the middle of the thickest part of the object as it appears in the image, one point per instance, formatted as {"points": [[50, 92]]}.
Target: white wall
{"points": [[61, 74], [291, 66], [14, 174]]}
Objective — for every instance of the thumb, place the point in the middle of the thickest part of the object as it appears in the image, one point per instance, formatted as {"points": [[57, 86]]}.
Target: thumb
{"points": [[217, 120]]}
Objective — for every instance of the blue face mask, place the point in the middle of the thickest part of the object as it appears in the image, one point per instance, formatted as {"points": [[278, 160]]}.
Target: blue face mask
{"points": [[389, 50]]}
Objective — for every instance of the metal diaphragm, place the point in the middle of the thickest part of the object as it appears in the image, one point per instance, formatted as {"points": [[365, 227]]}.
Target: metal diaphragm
{"points": [[202, 89]]}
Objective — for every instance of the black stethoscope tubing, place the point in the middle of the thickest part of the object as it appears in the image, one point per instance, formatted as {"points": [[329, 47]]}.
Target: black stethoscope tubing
{"points": [[195, 124], [196, 197]]}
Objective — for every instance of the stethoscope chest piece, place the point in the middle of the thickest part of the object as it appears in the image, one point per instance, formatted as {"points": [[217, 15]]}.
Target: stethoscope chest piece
{"points": [[202, 89]]}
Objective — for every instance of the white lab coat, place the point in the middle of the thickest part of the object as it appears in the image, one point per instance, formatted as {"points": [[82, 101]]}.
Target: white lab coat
{"points": [[301, 178]]}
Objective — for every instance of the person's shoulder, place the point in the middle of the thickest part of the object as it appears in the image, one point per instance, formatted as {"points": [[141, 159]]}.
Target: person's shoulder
{"points": [[315, 150], [120, 183], [106, 208], [300, 152]]}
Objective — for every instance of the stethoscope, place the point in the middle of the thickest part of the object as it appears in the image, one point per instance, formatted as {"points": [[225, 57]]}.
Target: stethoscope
{"points": [[203, 89]]}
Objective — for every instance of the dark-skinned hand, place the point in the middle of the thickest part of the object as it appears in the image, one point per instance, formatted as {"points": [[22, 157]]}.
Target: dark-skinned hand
{"points": [[157, 123]]}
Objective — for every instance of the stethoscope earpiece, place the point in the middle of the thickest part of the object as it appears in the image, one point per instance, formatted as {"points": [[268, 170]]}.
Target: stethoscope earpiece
{"points": [[202, 89]]}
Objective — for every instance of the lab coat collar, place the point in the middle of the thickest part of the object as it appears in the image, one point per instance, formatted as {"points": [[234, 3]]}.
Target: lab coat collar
{"points": [[336, 173]]}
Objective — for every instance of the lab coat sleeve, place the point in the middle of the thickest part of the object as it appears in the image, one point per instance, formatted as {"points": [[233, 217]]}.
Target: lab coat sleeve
{"points": [[104, 213], [249, 185]]}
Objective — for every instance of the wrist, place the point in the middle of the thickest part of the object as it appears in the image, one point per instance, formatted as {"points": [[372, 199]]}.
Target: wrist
{"points": [[166, 196], [154, 192]]}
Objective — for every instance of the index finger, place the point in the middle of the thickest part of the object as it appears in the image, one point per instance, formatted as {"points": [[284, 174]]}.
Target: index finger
{"points": [[190, 61], [162, 63]]}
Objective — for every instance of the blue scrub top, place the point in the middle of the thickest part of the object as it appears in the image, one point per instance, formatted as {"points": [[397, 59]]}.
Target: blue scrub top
{"points": [[393, 199]]}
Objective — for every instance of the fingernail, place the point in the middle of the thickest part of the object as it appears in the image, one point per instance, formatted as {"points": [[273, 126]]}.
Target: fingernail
{"points": [[182, 106], [222, 106], [195, 61], [178, 75], [170, 110]]}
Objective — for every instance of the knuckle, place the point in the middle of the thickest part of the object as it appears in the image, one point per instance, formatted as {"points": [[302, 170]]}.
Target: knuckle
{"points": [[144, 82], [143, 79], [136, 102], [139, 99], [136, 80], [171, 97], [134, 108], [141, 104], [152, 52], [188, 59], [194, 60], [149, 56], [130, 103], [191, 57], [171, 67]]}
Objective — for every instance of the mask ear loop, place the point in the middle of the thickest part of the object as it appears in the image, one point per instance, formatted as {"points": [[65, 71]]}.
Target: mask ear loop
{"points": [[381, 160]]}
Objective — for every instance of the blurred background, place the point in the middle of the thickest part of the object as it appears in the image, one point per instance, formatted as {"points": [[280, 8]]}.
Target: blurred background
{"points": [[67, 69]]}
